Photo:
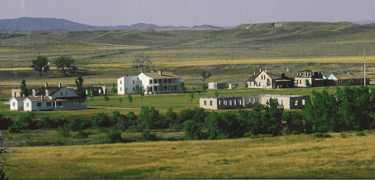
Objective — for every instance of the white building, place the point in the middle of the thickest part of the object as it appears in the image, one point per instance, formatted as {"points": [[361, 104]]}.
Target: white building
{"points": [[151, 83], [47, 99]]}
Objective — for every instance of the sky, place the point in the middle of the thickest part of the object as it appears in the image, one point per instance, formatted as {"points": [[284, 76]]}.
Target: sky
{"points": [[190, 12]]}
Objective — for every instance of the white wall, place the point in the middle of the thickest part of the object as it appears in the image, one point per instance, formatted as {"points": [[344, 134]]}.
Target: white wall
{"points": [[127, 82], [16, 105]]}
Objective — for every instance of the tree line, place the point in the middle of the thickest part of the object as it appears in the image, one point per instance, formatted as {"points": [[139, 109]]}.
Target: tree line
{"points": [[349, 109], [65, 63]]}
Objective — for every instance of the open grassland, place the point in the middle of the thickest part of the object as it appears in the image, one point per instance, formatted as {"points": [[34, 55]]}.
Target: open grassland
{"points": [[295, 156]]}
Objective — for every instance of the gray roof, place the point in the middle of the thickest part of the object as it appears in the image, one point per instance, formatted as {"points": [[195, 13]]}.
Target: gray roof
{"points": [[164, 75], [19, 98]]}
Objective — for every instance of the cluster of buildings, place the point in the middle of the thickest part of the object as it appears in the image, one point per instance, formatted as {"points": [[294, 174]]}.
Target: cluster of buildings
{"points": [[307, 78], [51, 98]]}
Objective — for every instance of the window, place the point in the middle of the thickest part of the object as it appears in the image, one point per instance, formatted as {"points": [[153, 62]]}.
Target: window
{"points": [[303, 102], [219, 102], [165, 81], [210, 103], [59, 103], [230, 102], [120, 82], [48, 104], [296, 103], [61, 93], [14, 104], [133, 89], [204, 102], [169, 80], [39, 104], [66, 92], [133, 81], [150, 81], [239, 102], [259, 83], [27, 104], [120, 88], [234, 102]]}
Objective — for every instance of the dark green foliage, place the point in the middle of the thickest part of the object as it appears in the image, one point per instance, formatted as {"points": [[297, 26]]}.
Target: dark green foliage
{"points": [[114, 88], [191, 97], [5, 123], [106, 98], [24, 91], [171, 117], [216, 94], [130, 98], [65, 63], [77, 124], [360, 133], [101, 120], [322, 135], [192, 130], [148, 135], [160, 87], [114, 135], [182, 87], [204, 87], [294, 122], [246, 85], [82, 134], [64, 131], [80, 90], [150, 118], [24, 122], [307, 83], [40, 64]]}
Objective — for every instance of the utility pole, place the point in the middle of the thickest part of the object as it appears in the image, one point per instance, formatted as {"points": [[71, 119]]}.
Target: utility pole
{"points": [[364, 68]]}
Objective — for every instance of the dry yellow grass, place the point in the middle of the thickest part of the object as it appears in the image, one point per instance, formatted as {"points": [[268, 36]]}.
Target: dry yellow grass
{"points": [[299, 156]]}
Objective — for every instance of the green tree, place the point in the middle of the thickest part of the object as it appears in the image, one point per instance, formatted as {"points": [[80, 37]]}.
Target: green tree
{"points": [[191, 97], [268, 82], [307, 83], [236, 85], [204, 87], [182, 87], [130, 98], [192, 130], [40, 64], [80, 91], [246, 85], [160, 87], [170, 88], [106, 98], [114, 135], [24, 90], [114, 88], [64, 131], [216, 94], [65, 63], [205, 75], [120, 100], [89, 94]]}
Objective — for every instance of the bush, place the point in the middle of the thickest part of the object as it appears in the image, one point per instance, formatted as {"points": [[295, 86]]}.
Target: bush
{"points": [[147, 135], [64, 131], [113, 135], [58, 143], [101, 120], [192, 130], [360, 133], [76, 124], [5, 123], [82, 134]]}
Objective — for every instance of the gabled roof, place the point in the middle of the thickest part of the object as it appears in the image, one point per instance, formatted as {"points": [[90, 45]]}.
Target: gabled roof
{"points": [[38, 98], [348, 76], [252, 78], [42, 91], [164, 75], [18, 98]]}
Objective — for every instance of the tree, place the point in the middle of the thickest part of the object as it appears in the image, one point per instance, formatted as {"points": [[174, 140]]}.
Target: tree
{"points": [[142, 61], [139, 90], [216, 94], [268, 82], [120, 100], [65, 63], [192, 130], [130, 98], [160, 87], [204, 87], [170, 88], [106, 98], [205, 75], [182, 87], [236, 85], [24, 91], [307, 83], [89, 94], [114, 88], [79, 90], [40, 64], [246, 85], [191, 97]]}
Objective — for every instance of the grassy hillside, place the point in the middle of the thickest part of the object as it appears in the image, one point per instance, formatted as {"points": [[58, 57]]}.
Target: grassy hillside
{"points": [[345, 155]]}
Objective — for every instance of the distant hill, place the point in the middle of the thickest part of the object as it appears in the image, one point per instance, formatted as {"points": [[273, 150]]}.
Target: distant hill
{"points": [[28, 24]]}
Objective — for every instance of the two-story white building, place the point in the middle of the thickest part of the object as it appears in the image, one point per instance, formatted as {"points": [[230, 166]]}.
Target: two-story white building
{"points": [[48, 99], [152, 83]]}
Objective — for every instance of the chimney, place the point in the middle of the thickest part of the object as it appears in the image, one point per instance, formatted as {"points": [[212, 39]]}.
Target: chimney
{"points": [[160, 72], [59, 84], [260, 70], [265, 70], [46, 92], [287, 69], [46, 84], [41, 97], [254, 72], [33, 92], [141, 70]]}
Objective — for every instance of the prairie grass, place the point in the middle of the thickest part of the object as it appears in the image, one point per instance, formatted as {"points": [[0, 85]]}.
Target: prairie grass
{"points": [[295, 156]]}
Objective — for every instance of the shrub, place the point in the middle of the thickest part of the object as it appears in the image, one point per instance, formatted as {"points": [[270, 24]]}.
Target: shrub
{"points": [[101, 120], [360, 133], [113, 135], [76, 124], [64, 131], [343, 135], [148, 135], [82, 134], [192, 130], [5, 123]]}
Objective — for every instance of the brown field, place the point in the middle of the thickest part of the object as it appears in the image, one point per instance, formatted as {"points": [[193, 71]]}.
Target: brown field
{"points": [[295, 156]]}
